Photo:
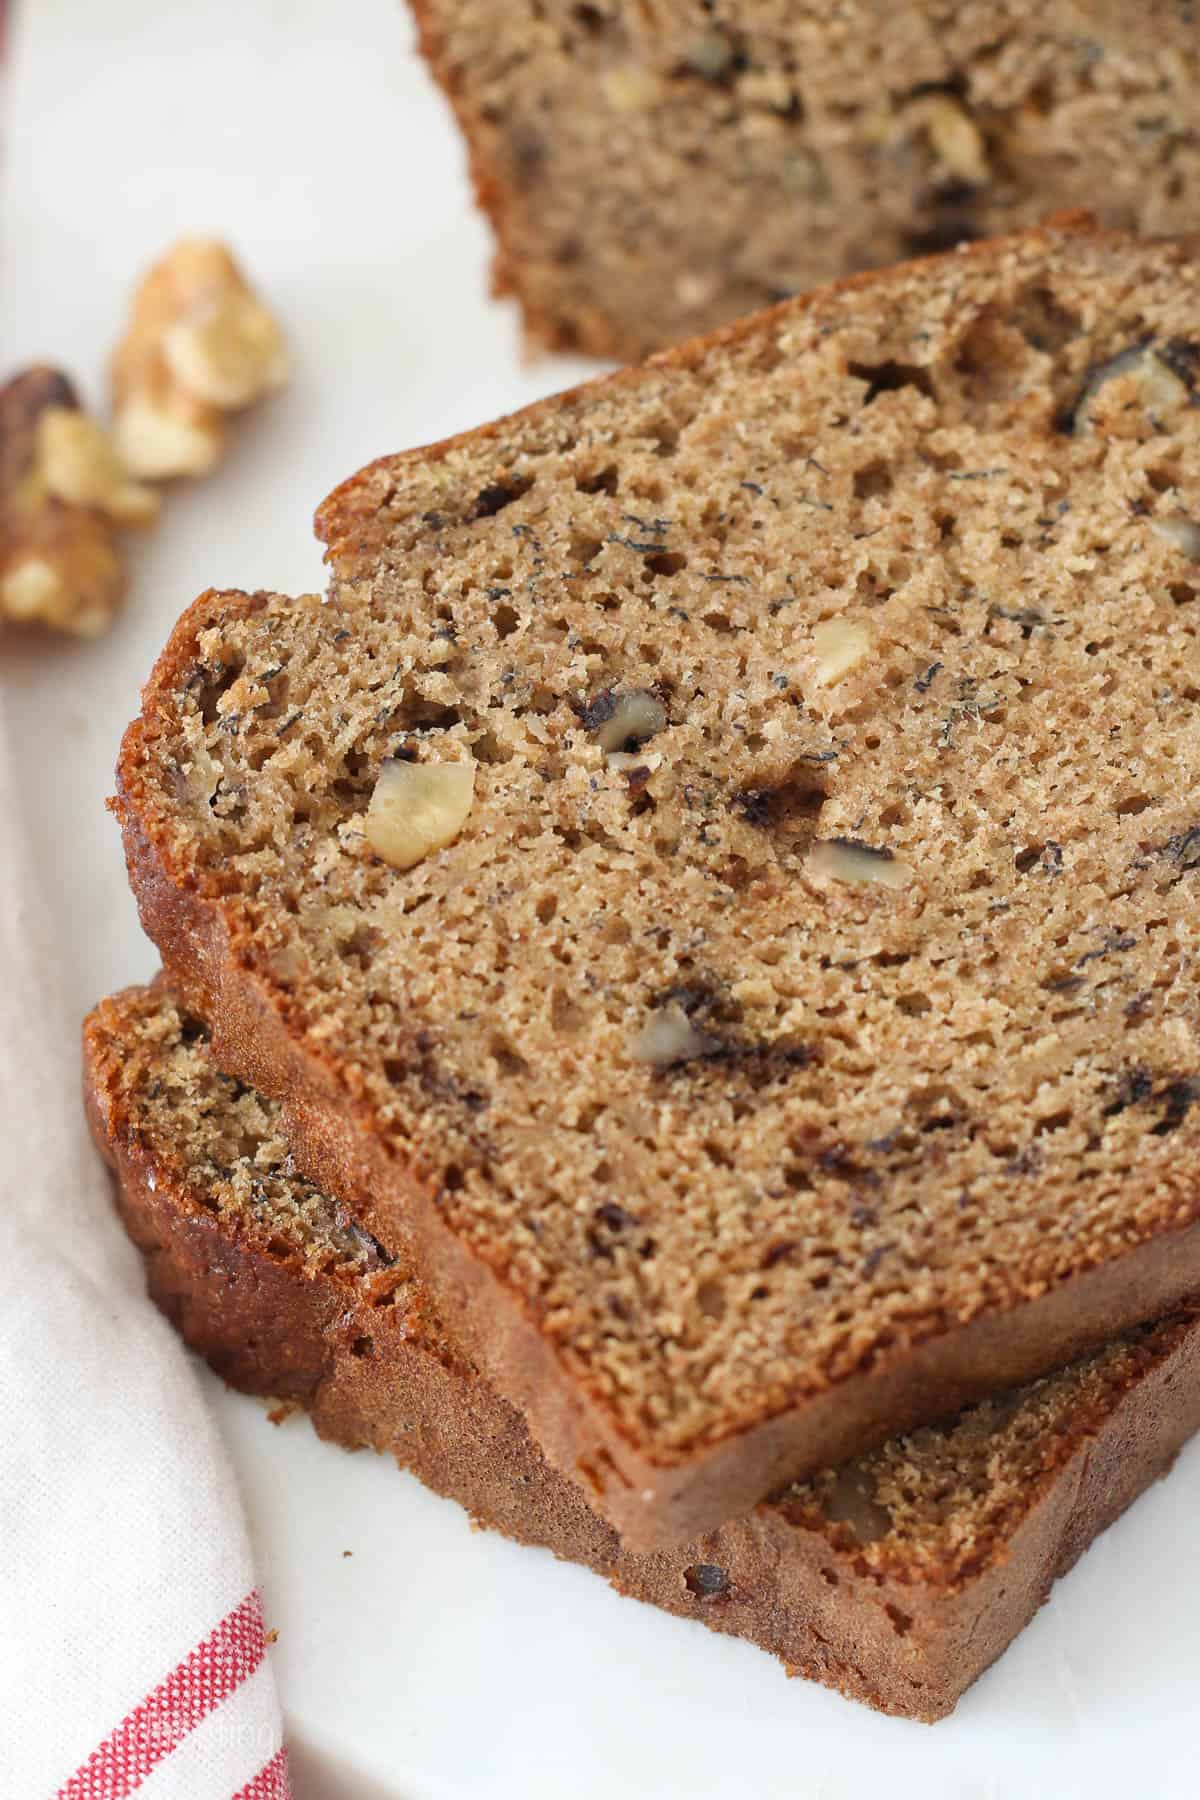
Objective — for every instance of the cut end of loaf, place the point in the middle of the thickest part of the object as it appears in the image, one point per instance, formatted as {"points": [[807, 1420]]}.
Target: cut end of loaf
{"points": [[652, 172]]}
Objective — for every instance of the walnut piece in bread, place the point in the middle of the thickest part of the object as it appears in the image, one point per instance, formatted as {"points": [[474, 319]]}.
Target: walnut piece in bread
{"points": [[954, 138], [417, 808], [200, 344]]}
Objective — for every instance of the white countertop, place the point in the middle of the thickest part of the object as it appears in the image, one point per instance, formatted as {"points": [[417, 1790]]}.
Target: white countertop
{"points": [[437, 1661]]}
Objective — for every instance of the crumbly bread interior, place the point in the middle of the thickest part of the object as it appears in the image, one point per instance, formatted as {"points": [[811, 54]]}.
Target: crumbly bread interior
{"points": [[654, 170], [224, 1140], [904, 882], [932, 1508]]}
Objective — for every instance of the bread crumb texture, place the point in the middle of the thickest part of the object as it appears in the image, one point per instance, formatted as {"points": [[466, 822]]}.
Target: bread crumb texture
{"points": [[933, 1508], [656, 170], [908, 1100], [221, 1140]]}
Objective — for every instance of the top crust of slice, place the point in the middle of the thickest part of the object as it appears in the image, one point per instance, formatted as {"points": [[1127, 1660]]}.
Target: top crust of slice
{"points": [[907, 903]]}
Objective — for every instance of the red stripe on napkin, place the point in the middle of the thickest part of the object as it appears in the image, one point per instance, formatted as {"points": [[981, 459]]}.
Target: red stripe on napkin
{"points": [[216, 1668], [271, 1782]]}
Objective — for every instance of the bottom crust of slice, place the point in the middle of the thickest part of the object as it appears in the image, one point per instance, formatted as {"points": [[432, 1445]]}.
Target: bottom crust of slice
{"points": [[896, 1580]]}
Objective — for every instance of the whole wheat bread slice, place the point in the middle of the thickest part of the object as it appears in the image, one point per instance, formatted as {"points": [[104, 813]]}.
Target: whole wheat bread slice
{"points": [[827, 1058], [652, 171], [896, 1579]]}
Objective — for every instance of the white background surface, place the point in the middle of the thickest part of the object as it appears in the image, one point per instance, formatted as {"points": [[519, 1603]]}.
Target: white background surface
{"points": [[436, 1661]]}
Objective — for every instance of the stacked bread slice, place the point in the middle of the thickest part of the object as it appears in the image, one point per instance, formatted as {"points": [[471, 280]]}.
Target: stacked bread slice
{"points": [[896, 1578], [687, 943]]}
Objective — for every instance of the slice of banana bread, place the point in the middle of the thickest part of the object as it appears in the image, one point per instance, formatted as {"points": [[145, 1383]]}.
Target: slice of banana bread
{"points": [[797, 1039], [653, 170], [897, 1578]]}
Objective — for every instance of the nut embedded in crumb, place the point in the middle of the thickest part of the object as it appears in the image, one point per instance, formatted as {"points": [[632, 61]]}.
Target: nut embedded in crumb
{"points": [[59, 563], [629, 718], [1183, 533], [844, 859], [693, 290], [840, 645], [954, 138], [628, 762], [669, 1036], [710, 53], [1160, 390], [771, 88], [1163, 391], [629, 88], [417, 808], [199, 344]]}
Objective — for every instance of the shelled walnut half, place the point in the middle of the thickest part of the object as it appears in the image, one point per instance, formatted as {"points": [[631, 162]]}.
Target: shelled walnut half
{"points": [[199, 345], [63, 493]]}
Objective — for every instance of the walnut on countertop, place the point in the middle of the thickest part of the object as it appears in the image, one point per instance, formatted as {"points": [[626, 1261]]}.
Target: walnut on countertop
{"points": [[62, 492], [200, 345]]}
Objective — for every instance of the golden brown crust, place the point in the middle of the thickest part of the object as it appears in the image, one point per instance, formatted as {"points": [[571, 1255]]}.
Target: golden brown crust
{"points": [[649, 1496], [904, 1635]]}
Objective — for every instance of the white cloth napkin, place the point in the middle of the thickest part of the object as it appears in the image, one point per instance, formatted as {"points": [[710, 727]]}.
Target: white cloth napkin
{"points": [[132, 1650]]}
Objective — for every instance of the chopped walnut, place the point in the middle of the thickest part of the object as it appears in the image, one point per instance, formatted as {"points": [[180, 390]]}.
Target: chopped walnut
{"points": [[711, 54], [1184, 534], [772, 88], [953, 136], [629, 718], [79, 464], [1159, 388], [668, 1036], [59, 563], [199, 345], [693, 290], [630, 88], [840, 645], [627, 762], [844, 859], [417, 808]]}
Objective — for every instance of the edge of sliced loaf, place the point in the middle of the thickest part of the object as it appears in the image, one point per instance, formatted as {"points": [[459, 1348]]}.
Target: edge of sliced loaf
{"points": [[517, 199], [336, 1139], [348, 1336]]}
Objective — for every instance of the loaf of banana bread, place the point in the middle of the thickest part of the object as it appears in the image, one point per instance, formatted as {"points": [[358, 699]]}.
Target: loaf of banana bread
{"points": [[897, 1578], [715, 875], [654, 169]]}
